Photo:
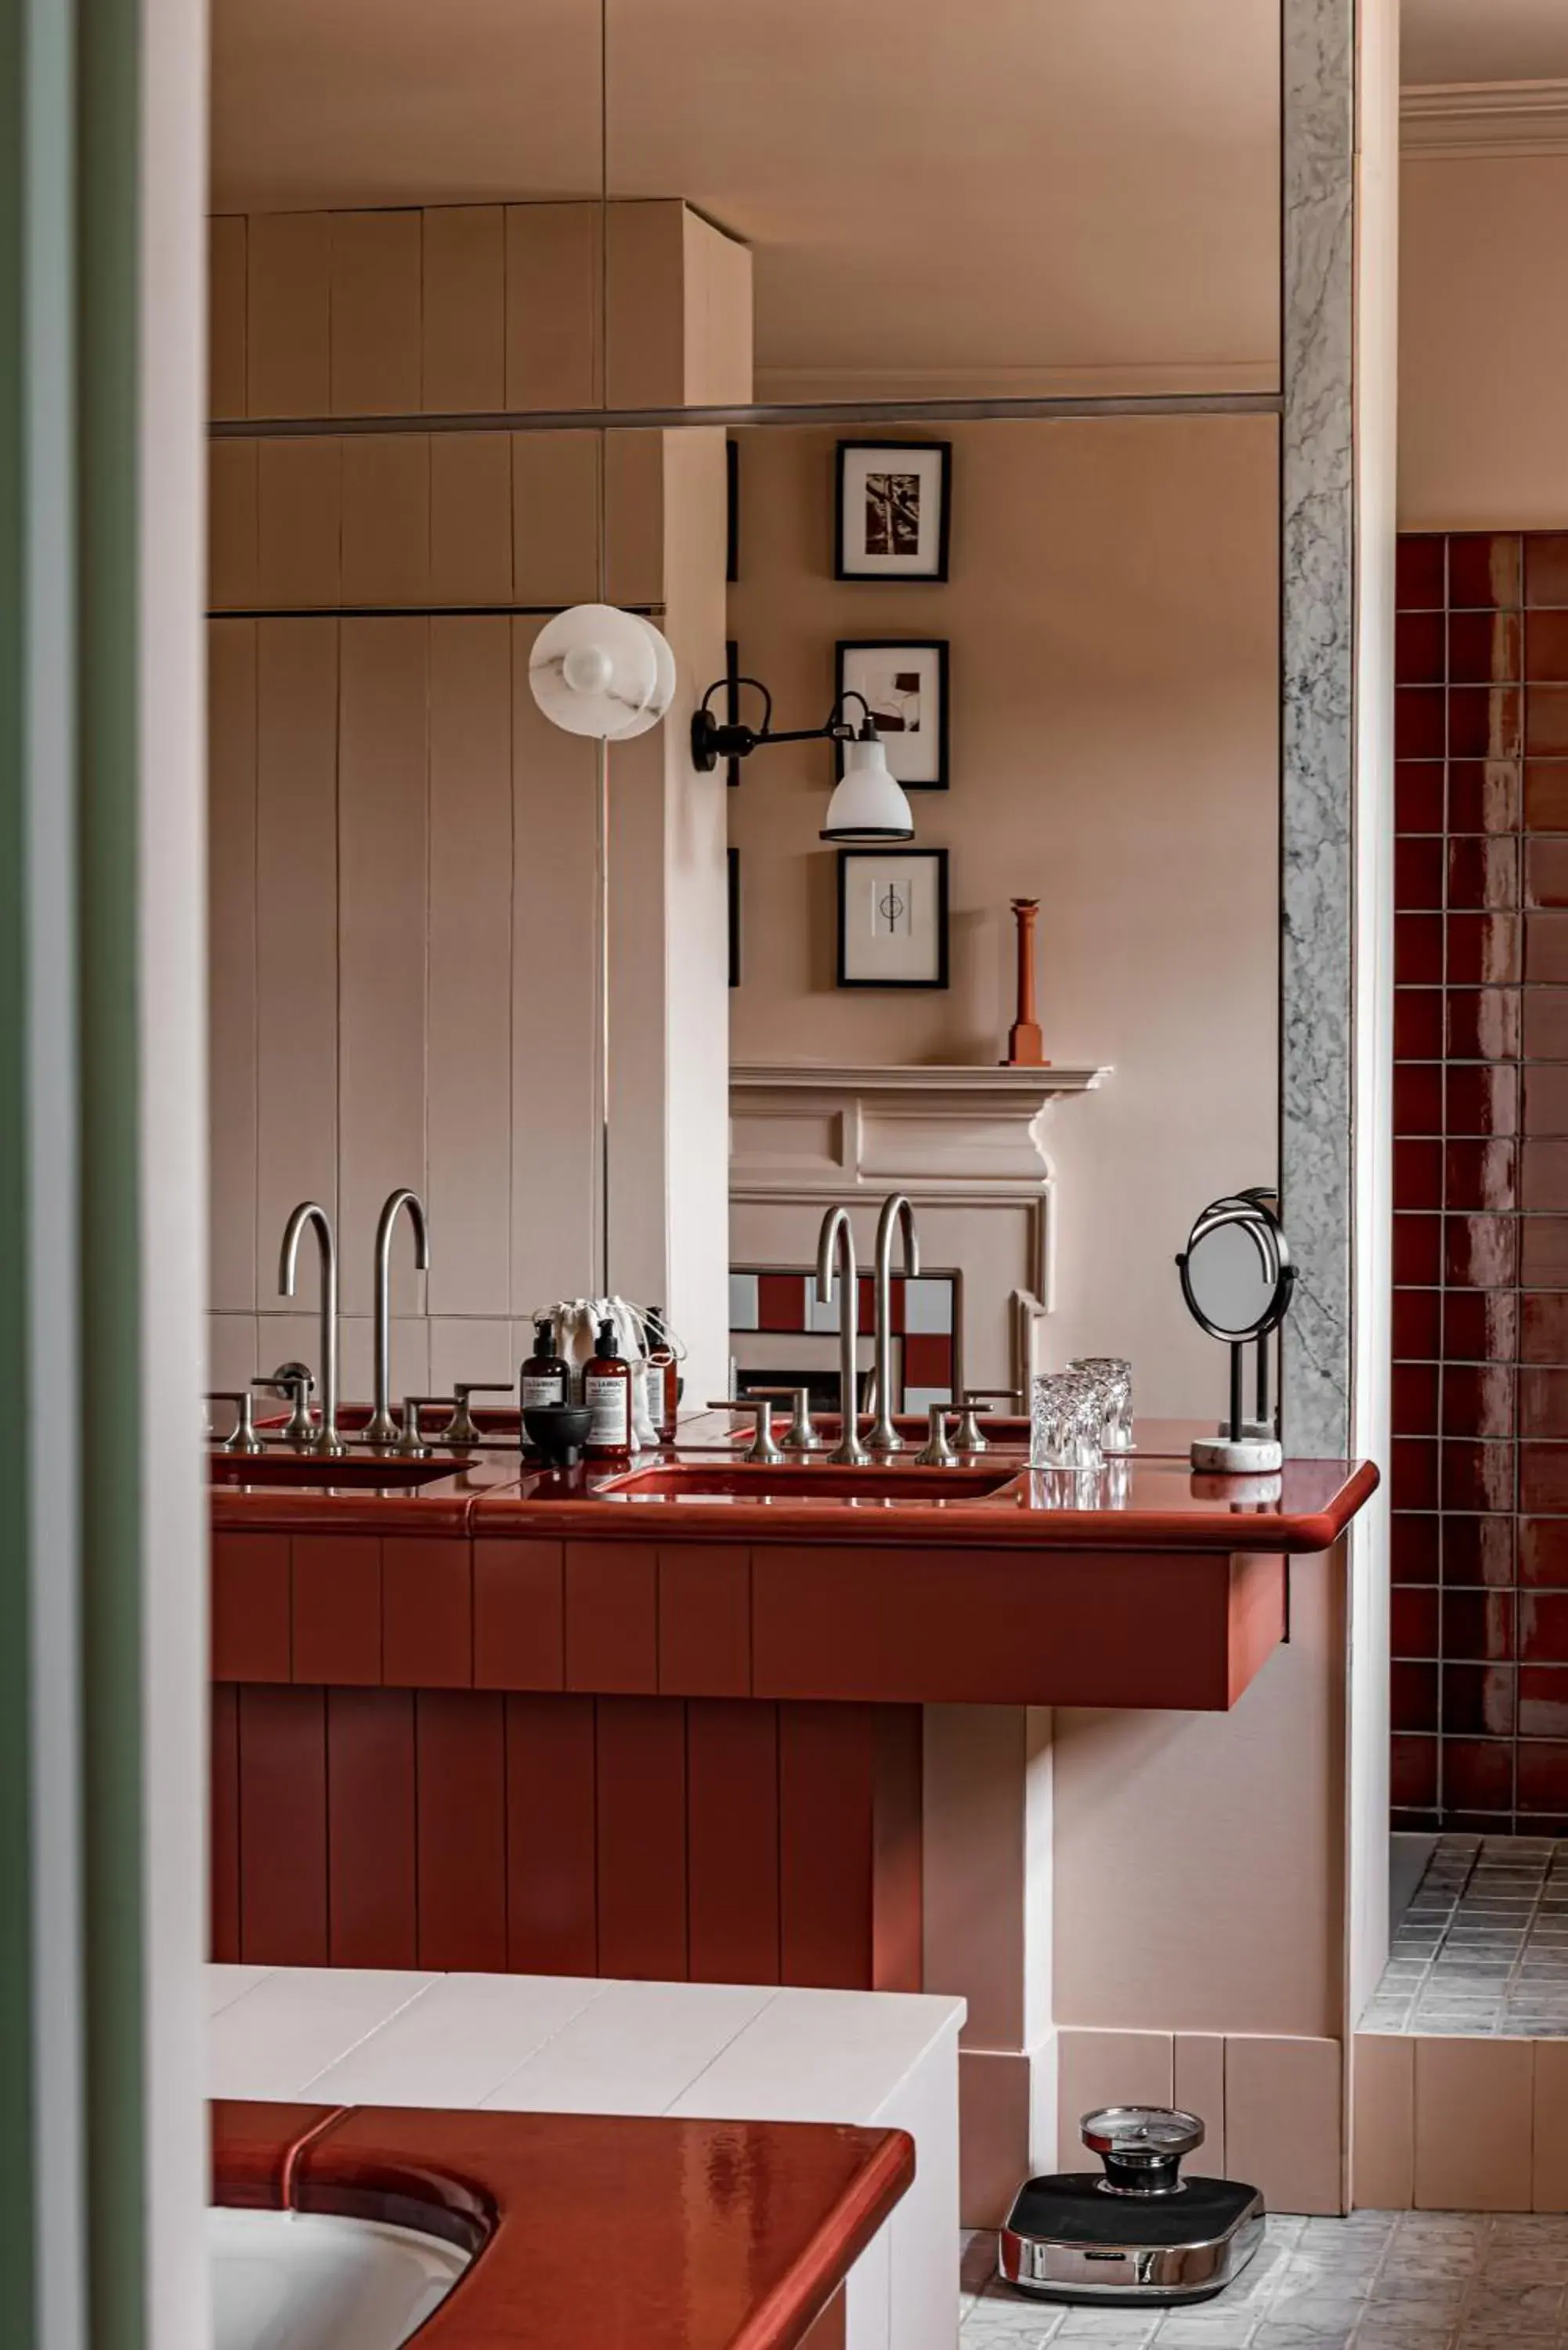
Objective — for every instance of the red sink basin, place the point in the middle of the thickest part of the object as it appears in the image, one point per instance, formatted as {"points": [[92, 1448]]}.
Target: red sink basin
{"points": [[803, 1483], [354, 1474]]}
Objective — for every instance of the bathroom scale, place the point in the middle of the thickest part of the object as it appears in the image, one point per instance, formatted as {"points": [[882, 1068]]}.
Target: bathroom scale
{"points": [[1134, 2233]]}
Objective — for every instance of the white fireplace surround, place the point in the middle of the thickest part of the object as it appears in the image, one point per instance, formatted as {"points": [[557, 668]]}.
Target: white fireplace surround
{"points": [[966, 1145]]}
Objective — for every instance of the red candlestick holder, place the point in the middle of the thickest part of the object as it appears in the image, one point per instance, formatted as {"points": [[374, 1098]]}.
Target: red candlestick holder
{"points": [[1024, 1041]]}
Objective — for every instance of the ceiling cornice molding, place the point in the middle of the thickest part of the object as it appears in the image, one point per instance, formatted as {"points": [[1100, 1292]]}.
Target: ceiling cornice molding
{"points": [[1485, 118]]}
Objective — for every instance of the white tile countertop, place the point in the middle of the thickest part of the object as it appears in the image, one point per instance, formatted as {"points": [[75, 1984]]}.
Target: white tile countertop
{"points": [[561, 2043]]}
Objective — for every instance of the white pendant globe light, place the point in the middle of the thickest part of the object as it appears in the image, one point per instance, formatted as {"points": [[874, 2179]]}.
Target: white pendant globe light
{"points": [[596, 669], [869, 803]]}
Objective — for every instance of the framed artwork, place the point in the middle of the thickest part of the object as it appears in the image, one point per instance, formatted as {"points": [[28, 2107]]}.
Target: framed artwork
{"points": [[893, 516], [892, 918], [735, 857], [904, 681], [732, 511]]}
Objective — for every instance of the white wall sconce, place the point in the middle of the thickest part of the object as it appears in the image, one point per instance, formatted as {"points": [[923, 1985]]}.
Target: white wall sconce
{"points": [[596, 669], [868, 803]]}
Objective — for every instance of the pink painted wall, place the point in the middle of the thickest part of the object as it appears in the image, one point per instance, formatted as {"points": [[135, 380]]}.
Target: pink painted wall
{"points": [[1483, 343], [1111, 614]]}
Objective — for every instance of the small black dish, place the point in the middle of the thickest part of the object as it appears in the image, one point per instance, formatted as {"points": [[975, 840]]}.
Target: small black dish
{"points": [[557, 1432]]}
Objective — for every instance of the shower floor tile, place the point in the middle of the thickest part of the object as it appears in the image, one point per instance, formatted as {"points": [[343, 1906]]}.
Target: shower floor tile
{"points": [[1482, 1948]]}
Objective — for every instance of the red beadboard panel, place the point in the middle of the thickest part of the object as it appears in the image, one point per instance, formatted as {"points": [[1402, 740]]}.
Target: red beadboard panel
{"points": [[827, 1845], [427, 1599], [906, 1628], [283, 1827], [612, 1618], [223, 1886], [641, 1812], [337, 1582], [704, 1619], [250, 1599], [732, 1841], [371, 1879], [519, 1615], [898, 1928], [552, 1899], [460, 1756]]}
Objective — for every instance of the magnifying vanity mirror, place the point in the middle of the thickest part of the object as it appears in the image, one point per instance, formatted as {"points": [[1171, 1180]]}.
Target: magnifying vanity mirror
{"points": [[1237, 1278]]}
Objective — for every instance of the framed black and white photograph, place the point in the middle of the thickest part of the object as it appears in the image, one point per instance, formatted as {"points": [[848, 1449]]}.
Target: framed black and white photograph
{"points": [[734, 861], [894, 516], [904, 682], [892, 918]]}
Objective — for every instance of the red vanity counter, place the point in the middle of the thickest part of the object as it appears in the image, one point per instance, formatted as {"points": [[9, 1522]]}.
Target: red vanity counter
{"points": [[577, 1723], [740, 2233]]}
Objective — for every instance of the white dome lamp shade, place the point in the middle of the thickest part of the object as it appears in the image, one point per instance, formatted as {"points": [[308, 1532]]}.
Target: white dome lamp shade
{"points": [[869, 803], [596, 669]]}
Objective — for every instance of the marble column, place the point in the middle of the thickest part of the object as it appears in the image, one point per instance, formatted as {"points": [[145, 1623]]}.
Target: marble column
{"points": [[1317, 677]]}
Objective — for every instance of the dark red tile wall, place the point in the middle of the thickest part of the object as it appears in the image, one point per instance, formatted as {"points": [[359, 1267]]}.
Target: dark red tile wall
{"points": [[1480, 1185]]}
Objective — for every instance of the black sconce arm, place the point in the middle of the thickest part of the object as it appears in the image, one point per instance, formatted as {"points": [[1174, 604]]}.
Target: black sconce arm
{"points": [[713, 739]]}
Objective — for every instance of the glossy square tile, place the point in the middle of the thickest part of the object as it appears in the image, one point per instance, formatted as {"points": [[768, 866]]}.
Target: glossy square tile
{"points": [[1483, 795], [1489, 721], [1413, 1472], [1483, 873], [1420, 722], [1543, 1554], [1417, 1250], [1419, 800], [1544, 1480], [1415, 1770], [1543, 1403], [1420, 649], [1542, 1775], [1479, 1699], [1544, 733], [1478, 1627], [1484, 647], [1414, 1546], [1478, 1100], [1418, 873], [1480, 1326], [1486, 569], [1419, 1024], [1543, 1252], [1477, 1774], [1416, 1399], [1477, 1175], [1419, 1175], [1477, 1477], [1546, 647], [1546, 795], [1417, 1324], [1416, 1626], [1478, 1399], [1483, 950], [1418, 1097], [1544, 1627], [1413, 1696], [1545, 567], [1483, 1022], [1544, 1713], [1479, 1550], [1418, 950], [1420, 577], [1480, 1251], [1546, 868], [1546, 1098]]}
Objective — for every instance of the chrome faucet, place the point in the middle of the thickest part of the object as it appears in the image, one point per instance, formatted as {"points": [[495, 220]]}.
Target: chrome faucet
{"points": [[383, 1428], [895, 1210], [309, 1211], [835, 1250]]}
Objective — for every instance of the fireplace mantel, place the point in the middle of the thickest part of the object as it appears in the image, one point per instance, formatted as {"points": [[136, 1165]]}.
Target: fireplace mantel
{"points": [[967, 1145]]}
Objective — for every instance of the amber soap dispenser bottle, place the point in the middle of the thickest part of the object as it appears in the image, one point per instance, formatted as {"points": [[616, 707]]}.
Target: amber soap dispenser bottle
{"points": [[607, 1391], [545, 1377]]}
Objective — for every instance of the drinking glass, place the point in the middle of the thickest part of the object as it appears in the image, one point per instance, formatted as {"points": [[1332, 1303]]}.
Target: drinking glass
{"points": [[1067, 1413], [1114, 1374]]}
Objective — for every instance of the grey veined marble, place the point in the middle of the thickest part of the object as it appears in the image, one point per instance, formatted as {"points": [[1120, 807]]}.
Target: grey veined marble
{"points": [[1317, 655]]}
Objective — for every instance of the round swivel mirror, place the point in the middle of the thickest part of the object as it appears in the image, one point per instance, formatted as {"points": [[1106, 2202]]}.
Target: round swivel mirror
{"points": [[1237, 1279]]}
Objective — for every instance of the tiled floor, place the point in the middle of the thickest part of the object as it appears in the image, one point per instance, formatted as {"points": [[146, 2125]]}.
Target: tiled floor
{"points": [[1377, 2281], [1482, 1948]]}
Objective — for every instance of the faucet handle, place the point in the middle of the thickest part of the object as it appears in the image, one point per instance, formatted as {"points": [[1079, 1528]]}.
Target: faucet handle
{"points": [[762, 1446], [936, 1452], [461, 1427], [801, 1436], [970, 1436], [297, 1382], [243, 1437], [410, 1443]]}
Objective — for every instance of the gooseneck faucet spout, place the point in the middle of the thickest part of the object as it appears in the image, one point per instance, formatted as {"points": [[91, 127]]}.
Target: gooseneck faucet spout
{"points": [[383, 1428], [310, 1211], [836, 1255], [896, 1212]]}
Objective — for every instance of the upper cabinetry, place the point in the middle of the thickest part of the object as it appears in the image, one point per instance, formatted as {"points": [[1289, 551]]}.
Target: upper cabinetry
{"points": [[940, 203]]}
